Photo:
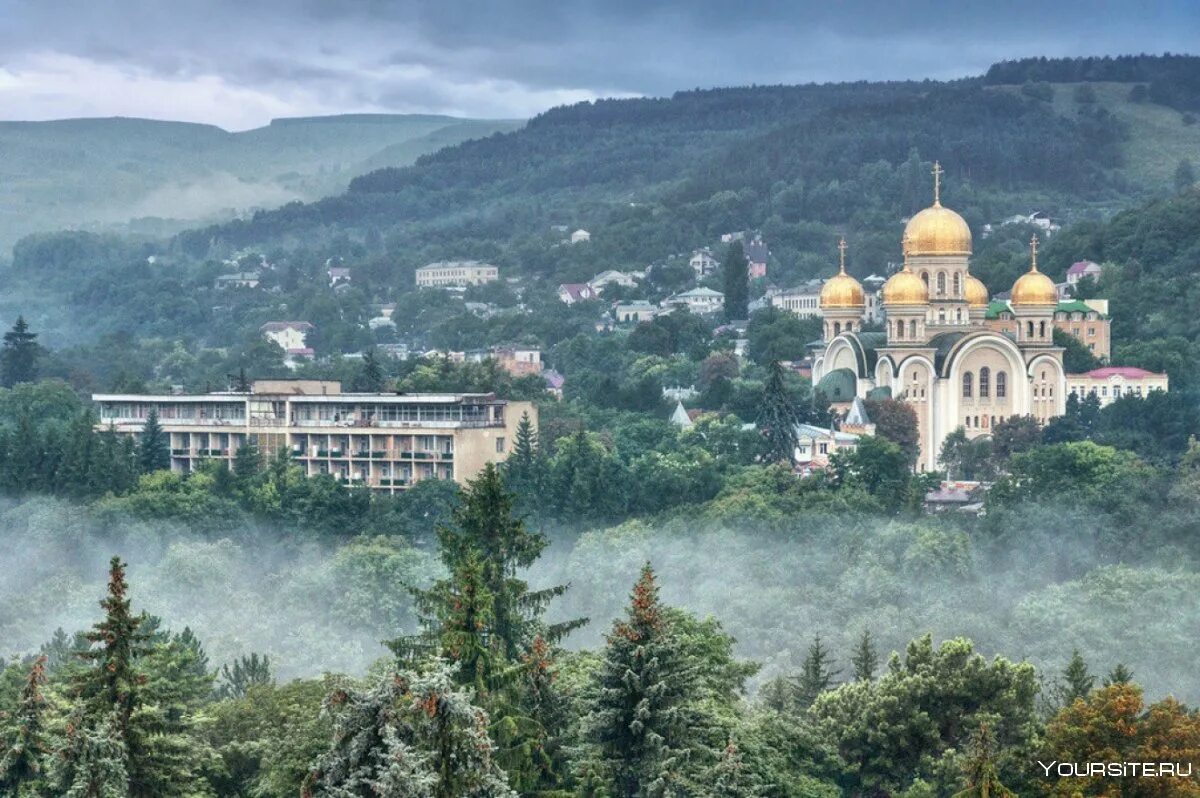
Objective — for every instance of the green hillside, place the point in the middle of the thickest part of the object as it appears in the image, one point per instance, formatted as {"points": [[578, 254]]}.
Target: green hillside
{"points": [[104, 172]]}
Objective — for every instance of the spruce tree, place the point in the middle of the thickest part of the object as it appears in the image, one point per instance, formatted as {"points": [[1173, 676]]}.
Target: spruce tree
{"points": [[1120, 674], [370, 378], [816, 676], [154, 452], [113, 686], [777, 418], [23, 762], [408, 735], [19, 355], [865, 659], [1077, 682], [730, 777], [94, 762], [525, 469], [736, 275], [641, 724], [247, 461]]}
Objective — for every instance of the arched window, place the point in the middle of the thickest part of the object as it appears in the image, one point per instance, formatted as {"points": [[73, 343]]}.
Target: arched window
{"points": [[900, 329], [849, 326], [968, 385], [958, 315], [837, 327], [1029, 329], [1001, 384], [957, 284], [941, 284], [912, 328], [925, 277], [985, 382], [941, 317], [1042, 329]]}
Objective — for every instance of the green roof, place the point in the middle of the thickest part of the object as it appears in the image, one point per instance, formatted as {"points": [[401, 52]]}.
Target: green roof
{"points": [[880, 392], [996, 307], [838, 385], [1076, 306]]}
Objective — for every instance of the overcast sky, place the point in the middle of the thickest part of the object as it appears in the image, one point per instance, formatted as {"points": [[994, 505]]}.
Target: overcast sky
{"points": [[239, 64]]}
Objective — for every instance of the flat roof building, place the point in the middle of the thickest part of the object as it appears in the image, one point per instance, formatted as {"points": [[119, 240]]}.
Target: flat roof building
{"points": [[384, 441]]}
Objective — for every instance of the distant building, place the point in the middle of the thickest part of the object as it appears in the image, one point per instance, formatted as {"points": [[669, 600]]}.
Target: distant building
{"points": [[1088, 321], [338, 275], [554, 382], [680, 417], [580, 236], [679, 393], [1112, 382], [379, 322], [756, 255], [519, 361], [803, 300], [703, 263], [1083, 269], [815, 445], [698, 300], [456, 274], [384, 441], [237, 280], [292, 337], [857, 421], [614, 277], [634, 311], [570, 293]]}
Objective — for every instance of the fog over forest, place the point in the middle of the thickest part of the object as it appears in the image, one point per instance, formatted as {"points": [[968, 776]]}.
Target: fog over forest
{"points": [[1035, 594]]}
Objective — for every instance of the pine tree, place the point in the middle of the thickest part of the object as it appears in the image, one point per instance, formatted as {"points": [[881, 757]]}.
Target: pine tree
{"points": [[153, 451], [777, 418], [113, 686], [19, 355], [407, 736], [1077, 682], [242, 384], [866, 658], [980, 769], [82, 472], [23, 762], [641, 722], [525, 469], [815, 675], [736, 282], [245, 673]]}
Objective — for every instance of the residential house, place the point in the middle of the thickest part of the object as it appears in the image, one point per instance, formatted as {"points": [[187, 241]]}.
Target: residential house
{"points": [[580, 236], [703, 262], [570, 293], [816, 445], [292, 337], [614, 277], [756, 255], [519, 361], [634, 311], [1082, 269], [803, 300], [338, 275], [554, 382], [698, 300], [1086, 320]]}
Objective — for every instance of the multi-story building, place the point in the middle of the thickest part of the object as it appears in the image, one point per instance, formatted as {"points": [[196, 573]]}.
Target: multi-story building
{"points": [[703, 262], [700, 300], [456, 274], [1110, 383], [1087, 320], [803, 300], [385, 441]]}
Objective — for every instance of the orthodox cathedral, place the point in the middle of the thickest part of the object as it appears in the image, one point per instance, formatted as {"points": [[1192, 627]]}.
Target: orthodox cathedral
{"points": [[938, 352]]}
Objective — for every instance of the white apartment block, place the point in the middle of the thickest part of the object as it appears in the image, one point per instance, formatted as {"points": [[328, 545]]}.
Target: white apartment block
{"points": [[384, 441], [456, 274]]}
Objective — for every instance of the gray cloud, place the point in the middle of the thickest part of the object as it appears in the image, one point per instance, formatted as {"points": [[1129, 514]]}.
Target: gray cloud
{"points": [[238, 63]]}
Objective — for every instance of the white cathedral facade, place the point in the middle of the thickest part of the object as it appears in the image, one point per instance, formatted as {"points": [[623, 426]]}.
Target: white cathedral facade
{"points": [[937, 353]]}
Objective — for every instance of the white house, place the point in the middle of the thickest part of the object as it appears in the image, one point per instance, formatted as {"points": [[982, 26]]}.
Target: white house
{"points": [[698, 300], [702, 262], [570, 293], [634, 311], [291, 336], [613, 277], [580, 236]]}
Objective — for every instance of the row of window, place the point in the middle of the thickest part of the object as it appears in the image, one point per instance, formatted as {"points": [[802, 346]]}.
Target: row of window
{"points": [[985, 384]]}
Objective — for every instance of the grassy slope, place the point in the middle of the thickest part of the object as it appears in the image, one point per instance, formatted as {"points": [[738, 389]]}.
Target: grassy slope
{"points": [[80, 172], [1158, 138]]}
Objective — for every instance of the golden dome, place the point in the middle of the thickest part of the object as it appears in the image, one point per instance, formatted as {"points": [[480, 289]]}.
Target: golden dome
{"points": [[937, 230], [842, 290], [1033, 287], [976, 292], [905, 287]]}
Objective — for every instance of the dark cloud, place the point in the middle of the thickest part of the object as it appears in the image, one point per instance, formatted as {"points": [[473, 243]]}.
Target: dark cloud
{"points": [[242, 60]]}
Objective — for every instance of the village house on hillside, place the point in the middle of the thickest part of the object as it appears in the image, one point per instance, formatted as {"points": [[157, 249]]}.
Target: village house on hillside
{"points": [[291, 336], [698, 300], [703, 262], [456, 274], [570, 293]]}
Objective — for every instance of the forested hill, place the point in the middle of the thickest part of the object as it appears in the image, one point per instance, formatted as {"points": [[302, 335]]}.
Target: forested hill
{"points": [[1171, 80], [104, 172], [656, 176]]}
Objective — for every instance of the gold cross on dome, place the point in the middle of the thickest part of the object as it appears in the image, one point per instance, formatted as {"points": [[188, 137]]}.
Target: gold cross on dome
{"points": [[1033, 242], [938, 171], [842, 255]]}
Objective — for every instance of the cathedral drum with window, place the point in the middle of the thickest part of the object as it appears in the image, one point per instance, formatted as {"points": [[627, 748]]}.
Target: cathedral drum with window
{"points": [[936, 352]]}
